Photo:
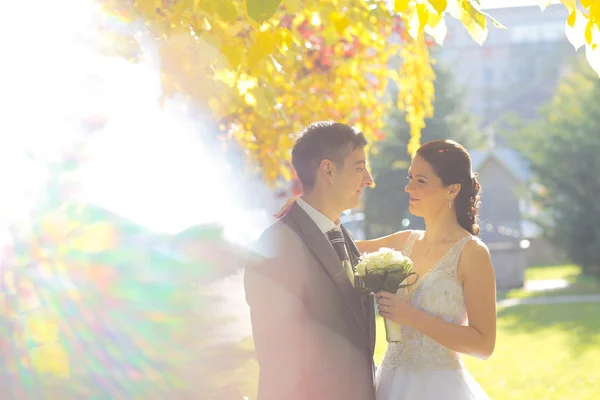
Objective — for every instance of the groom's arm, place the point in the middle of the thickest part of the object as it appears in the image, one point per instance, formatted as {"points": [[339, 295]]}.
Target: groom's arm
{"points": [[274, 292]]}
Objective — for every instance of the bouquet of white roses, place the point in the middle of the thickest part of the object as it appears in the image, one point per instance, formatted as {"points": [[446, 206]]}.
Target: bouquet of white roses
{"points": [[385, 270]]}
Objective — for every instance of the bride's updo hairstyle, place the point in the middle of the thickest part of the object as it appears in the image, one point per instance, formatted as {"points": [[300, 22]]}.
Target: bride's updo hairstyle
{"points": [[452, 164]]}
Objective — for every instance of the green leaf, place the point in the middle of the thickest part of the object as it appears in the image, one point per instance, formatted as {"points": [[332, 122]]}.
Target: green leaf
{"points": [[261, 10]]}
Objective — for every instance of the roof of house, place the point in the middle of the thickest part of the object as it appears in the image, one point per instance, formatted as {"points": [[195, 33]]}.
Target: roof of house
{"points": [[508, 157]]}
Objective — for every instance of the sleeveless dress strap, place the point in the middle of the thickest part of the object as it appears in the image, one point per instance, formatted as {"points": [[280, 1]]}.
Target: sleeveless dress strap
{"points": [[410, 241], [454, 256]]}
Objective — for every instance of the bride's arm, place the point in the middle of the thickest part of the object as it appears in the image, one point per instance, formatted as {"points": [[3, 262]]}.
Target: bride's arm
{"points": [[478, 338], [394, 241]]}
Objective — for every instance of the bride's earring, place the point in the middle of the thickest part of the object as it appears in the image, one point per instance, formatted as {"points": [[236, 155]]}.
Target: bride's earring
{"points": [[449, 203]]}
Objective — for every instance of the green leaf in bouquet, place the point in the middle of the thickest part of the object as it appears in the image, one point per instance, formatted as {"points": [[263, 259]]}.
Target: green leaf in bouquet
{"points": [[374, 280]]}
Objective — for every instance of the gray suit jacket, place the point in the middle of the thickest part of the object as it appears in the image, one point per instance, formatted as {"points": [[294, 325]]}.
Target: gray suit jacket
{"points": [[314, 333]]}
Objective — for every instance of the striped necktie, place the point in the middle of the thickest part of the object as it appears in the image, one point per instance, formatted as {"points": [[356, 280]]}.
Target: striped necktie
{"points": [[336, 238]]}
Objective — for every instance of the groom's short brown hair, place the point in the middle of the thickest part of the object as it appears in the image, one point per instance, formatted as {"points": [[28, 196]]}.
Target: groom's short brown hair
{"points": [[323, 140]]}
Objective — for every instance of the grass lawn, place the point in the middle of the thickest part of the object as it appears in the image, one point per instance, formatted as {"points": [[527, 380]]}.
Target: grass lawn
{"points": [[578, 284], [543, 352]]}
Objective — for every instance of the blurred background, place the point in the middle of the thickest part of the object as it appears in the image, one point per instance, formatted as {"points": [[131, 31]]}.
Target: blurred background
{"points": [[132, 194]]}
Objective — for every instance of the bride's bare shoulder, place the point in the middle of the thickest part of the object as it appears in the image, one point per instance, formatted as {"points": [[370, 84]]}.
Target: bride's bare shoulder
{"points": [[475, 259], [475, 248]]}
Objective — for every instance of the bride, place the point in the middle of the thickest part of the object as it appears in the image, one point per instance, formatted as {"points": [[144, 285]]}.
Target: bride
{"points": [[452, 307], [451, 310]]}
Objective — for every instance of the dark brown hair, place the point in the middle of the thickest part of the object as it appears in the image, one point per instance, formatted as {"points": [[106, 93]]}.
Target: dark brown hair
{"points": [[325, 140], [452, 163]]}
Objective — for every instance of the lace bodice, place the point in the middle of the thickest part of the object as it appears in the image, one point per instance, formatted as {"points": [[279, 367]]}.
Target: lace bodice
{"points": [[438, 292]]}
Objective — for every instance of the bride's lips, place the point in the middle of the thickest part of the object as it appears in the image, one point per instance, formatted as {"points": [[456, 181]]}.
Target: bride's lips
{"points": [[412, 200]]}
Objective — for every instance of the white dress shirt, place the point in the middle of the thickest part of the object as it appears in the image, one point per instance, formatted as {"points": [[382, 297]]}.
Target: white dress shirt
{"points": [[324, 223]]}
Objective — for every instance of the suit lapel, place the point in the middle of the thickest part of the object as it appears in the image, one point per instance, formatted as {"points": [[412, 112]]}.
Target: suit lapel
{"points": [[369, 301], [318, 243]]}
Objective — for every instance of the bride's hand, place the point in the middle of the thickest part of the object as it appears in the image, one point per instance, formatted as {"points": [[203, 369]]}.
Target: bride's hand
{"points": [[286, 207], [392, 307]]}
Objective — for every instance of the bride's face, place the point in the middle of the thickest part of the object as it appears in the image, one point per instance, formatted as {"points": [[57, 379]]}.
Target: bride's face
{"points": [[427, 193]]}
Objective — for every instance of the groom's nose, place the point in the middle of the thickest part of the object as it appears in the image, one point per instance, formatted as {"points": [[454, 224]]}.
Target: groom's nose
{"points": [[368, 179]]}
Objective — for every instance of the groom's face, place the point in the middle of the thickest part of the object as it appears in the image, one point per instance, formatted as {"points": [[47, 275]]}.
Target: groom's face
{"points": [[350, 179]]}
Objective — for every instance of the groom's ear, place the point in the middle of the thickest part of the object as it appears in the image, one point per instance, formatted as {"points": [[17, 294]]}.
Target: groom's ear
{"points": [[326, 168]]}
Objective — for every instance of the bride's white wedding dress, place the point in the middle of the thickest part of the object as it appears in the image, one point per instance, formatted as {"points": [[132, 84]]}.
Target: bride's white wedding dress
{"points": [[417, 367]]}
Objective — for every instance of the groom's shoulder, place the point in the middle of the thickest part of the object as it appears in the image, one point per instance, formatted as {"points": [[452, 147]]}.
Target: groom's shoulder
{"points": [[282, 234]]}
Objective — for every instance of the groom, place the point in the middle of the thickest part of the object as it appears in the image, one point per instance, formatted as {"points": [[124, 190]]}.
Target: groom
{"points": [[314, 333]]}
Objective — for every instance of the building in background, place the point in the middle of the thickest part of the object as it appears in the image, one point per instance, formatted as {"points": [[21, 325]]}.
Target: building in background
{"points": [[515, 70], [503, 228]]}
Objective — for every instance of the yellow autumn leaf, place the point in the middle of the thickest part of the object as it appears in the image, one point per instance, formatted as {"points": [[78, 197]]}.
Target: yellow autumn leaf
{"points": [[291, 6], [475, 22], [593, 57], [576, 33], [594, 11], [585, 3], [232, 53], [330, 34], [423, 15], [434, 19], [437, 32], [263, 45], [414, 25], [227, 11], [571, 5], [284, 39], [439, 5], [340, 21], [149, 7], [401, 6], [572, 18], [263, 106], [588, 32]]}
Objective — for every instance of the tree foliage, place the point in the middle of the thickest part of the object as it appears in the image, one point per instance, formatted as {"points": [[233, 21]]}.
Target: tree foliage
{"points": [[266, 68], [386, 205], [562, 148]]}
